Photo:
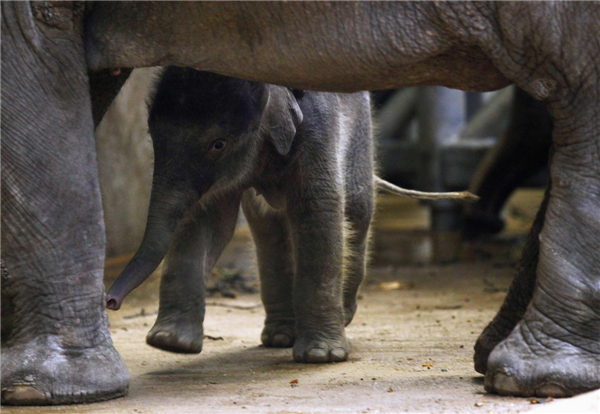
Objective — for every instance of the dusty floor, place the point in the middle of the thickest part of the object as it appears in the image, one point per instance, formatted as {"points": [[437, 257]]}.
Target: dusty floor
{"points": [[412, 338]]}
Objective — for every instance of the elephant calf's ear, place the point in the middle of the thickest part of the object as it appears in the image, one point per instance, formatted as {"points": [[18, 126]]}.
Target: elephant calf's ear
{"points": [[282, 117]]}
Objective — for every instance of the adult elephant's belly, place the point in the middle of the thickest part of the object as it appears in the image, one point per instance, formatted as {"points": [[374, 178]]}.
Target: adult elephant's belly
{"points": [[120, 35]]}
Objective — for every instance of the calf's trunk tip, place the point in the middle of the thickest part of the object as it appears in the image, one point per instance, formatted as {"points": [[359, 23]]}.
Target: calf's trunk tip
{"points": [[134, 274], [163, 220]]}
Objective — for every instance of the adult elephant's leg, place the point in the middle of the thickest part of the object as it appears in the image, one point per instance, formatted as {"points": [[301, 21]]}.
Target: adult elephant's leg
{"points": [[555, 349], [518, 297], [59, 348], [522, 152]]}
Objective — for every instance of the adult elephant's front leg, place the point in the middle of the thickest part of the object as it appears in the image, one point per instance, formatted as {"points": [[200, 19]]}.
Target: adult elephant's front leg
{"points": [[57, 348], [316, 218], [555, 349]]}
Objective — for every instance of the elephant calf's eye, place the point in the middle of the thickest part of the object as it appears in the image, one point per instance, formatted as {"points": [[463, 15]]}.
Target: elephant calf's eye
{"points": [[218, 145]]}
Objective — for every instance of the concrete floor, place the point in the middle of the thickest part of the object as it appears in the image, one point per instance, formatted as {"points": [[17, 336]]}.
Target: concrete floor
{"points": [[411, 340]]}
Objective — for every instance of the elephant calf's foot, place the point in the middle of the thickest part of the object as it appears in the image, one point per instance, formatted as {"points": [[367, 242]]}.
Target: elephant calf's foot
{"points": [[176, 335], [530, 362], [44, 373], [321, 348], [278, 335]]}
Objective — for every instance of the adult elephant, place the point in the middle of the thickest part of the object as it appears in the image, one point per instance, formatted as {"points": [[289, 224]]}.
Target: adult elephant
{"points": [[57, 348]]}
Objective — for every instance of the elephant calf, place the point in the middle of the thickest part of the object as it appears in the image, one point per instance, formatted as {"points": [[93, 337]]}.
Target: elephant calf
{"points": [[300, 164]]}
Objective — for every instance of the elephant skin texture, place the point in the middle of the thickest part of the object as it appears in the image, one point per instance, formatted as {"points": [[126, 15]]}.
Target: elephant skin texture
{"points": [[301, 165], [52, 228]]}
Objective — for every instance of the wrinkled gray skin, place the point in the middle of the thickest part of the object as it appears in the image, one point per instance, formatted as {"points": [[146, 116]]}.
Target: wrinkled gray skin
{"points": [[58, 349], [307, 163]]}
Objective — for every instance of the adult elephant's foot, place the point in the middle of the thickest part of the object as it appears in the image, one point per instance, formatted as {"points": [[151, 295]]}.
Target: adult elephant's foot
{"points": [[321, 348], [43, 373], [531, 362], [278, 333], [178, 334], [554, 351]]}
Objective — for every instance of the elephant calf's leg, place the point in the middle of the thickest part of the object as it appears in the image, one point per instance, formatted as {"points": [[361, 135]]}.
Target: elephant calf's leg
{"points": [[196, 247], [276, 268], [555, 349], [317, 238], [359, 213]]}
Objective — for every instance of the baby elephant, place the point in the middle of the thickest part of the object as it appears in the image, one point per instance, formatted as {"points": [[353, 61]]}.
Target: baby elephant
{"points": [[300, 164], [306, 160]]}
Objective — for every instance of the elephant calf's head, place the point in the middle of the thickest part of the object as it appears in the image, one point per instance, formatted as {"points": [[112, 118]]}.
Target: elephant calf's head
{"points": [[209, 133]]}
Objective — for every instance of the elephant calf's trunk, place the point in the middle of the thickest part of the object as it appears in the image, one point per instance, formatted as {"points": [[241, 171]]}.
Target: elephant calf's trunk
{"points": [[163, 219], [134, 274]]}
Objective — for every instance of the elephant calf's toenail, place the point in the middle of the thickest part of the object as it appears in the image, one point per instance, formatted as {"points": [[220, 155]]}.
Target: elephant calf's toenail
{"points": [[317, 355], [162, 335], [281, 340], [338, 355]]}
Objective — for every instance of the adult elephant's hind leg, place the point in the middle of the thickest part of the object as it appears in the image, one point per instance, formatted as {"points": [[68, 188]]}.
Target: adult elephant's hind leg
{"points": [[518, 297], [58, 349], [555, 349]]}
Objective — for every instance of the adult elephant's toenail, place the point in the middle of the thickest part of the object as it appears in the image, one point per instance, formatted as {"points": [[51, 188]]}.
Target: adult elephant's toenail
{"points": [[505, 384], [338, 355], [23, 395], [551, 389]]}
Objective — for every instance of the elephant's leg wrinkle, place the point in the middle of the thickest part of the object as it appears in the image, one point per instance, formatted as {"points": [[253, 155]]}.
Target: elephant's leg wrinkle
{"points": [[518, 297], [59, 349], [195, 249], [270, 231], [555, 349]]}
